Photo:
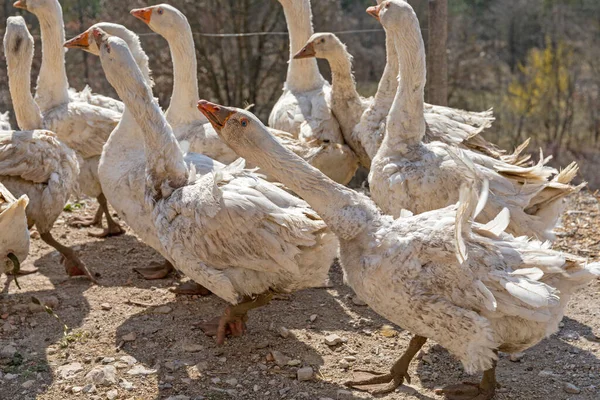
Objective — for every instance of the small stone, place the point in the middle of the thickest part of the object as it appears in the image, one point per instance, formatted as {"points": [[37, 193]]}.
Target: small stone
{"points": [[231, 382], [344, 364], [570, 388], [141, 370], [108, 360], [305, 374], [427, 359], [76, 389], [103, 376], [358, 302], [70, 370], [332, 340], [279, 358], [162, 310], [516, 357], [130, 337], [126, 385], [546, 374], [284, 390], [216, 380], [344, 394], [294, 363], [105, 306], [192, 348], [202, 366], [262, 367], [10, 377], [570, 336], [284, 332], [256, 388], [8, 351], [388, 331], [112, 394], [313, 317], [28, 384], [262, 345], [350, 358], [89, 388], [129, 360]]}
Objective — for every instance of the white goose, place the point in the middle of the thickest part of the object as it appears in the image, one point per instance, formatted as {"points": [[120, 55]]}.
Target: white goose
{"points": [[406, 173], [189, 125], [81, 126], [472, 288], [46, 89], [348, 106], [221, 226], [34, 162], [304, 108], [14, 233]]}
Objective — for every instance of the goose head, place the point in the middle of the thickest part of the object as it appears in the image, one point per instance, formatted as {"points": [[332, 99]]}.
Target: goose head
{"points": [[321, 45], [14, 240], [18, 42], [85, 41], [394, 14], [38, 6], [239, 128], [163, 19]]}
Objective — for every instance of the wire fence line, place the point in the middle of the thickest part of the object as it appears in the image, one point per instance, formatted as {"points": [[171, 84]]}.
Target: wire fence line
{"points": [[246, 34]]}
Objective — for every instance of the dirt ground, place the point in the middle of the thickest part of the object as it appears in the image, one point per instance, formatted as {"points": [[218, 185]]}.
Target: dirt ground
{"points": [[143, 342]]}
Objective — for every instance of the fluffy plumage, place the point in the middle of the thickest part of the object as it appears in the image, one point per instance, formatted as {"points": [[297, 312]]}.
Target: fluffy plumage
{"points": [[219, 225], [304, 108], [470, 287], [406, 173], [81, 126]]}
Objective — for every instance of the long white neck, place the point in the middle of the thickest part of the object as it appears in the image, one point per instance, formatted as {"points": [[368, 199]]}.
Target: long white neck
{"points": [[406, 122], [346, 103], [368, 131], [52, 85], [165, 166], [183, 107], [27, 112], [344, 211], [303, 75]]}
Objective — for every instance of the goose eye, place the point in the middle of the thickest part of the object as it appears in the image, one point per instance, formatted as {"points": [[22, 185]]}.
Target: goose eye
{"points": [[322, 40], [244, 122], [160, 11]]}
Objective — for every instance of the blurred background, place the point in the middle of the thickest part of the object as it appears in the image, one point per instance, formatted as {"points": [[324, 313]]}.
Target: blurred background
{"points": [[534, 61]]}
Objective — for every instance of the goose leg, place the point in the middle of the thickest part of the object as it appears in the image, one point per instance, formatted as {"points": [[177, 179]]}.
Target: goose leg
{"points": [[381, 383], [73, 265], [233, 321], [483, 390], [113, 228], [96, 220]]}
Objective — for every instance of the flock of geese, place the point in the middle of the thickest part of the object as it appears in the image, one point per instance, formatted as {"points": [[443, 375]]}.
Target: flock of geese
{"points": [[454, 243]]}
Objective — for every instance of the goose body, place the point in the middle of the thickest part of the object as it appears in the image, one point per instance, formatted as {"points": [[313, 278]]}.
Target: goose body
{"points": [[470, 287], [451, 126], [408, 173], [14, 236], [81, 126], [95, 99], [214, 223]]}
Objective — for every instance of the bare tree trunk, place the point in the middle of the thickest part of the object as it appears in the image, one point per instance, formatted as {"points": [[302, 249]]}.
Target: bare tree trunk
{"points": [[437, 59]]}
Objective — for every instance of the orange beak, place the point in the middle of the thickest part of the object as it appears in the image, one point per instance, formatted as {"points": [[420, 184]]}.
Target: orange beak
{"points": [[217, 115], [374, 12], [145, 14], [81, 41], [306, 52], [20, 4]]}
